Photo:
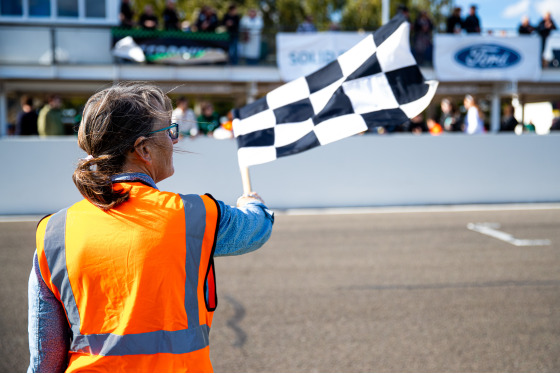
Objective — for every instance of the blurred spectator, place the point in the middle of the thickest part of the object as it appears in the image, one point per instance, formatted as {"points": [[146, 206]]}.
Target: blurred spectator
{"points": [[417, 125], [529, 127], [544, 28], [126, 14], [472, 23], [251, 26], [525, 27], [474, 123], [26, 123], [186, 26], [450, 117], [170, 17], [423, 28], [403, 9], [225, 131], [433, 127], [508, 123], [49, 121], [307, 25], [207, 20], [227, 121], [209, 120], [231, 22], [454, 22], [148, 20], [333, 26], [185, 117], [555, 126]]}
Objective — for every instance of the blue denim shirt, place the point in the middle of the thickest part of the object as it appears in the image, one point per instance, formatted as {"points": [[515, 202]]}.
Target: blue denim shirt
{"points": [[240, 230]]}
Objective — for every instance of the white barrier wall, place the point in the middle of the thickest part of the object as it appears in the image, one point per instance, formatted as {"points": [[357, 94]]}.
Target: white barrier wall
{"points": [[358, 171]]}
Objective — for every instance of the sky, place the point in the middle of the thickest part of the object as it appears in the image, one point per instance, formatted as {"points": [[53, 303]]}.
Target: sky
{"points": [[506, 14]]}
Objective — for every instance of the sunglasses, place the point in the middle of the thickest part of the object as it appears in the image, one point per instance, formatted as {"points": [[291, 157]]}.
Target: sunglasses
{"points": [[172, 131]]}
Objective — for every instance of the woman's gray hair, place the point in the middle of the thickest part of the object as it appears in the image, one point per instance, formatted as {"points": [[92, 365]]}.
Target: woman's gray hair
{"points": [[112, 121]]}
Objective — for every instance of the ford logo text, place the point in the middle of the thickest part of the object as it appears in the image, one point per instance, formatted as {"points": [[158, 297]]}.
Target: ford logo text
{"points": [[487, 56]]}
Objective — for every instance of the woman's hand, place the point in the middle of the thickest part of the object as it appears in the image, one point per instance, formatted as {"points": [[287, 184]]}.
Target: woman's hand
{"points": [[247, 198]]}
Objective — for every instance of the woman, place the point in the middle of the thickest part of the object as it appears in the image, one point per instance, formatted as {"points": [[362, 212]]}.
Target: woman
{"points": [[474, 123], [208, 120], [251, 26], [450, 118], [185, 117], [123, 281]]}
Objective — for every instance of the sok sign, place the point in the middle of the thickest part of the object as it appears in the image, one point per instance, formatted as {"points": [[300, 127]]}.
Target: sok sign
{"points": [[300, 54]]}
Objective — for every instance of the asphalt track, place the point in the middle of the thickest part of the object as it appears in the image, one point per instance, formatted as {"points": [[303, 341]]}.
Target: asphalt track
{"points": [[371, 292]]}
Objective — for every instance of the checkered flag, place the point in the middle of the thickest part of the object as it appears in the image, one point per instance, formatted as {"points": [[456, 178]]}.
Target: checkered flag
{"points": [[375, 83]]}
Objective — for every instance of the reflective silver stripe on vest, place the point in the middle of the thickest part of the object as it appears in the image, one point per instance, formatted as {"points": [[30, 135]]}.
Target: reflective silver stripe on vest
{"points": [[148, 343], [195, 223], [177, 342], [55, 252]]}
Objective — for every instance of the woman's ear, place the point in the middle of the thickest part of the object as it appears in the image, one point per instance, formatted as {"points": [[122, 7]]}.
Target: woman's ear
{"points": [[143, 150]]}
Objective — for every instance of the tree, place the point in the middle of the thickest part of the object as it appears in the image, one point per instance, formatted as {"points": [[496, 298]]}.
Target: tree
{"points": [[188, 9], [285, 15], [361, 15]]}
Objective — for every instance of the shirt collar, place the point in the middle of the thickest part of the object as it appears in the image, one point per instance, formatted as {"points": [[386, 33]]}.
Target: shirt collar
{"points": [[134, 177]]}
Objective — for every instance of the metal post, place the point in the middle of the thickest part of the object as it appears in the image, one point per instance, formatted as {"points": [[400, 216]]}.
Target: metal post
{"points": [[3, 112], [523, 114], [385, 12], [53, 46], [252, 92], [516, 103], [495, 111]]}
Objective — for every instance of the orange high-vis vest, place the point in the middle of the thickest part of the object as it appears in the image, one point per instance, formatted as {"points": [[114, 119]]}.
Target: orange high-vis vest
{"points": [[136, 282]]}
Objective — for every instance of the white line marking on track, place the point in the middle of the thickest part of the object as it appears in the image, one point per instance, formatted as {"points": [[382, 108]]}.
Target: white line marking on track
{"points": [[490, 229], [4, 219], [417, 209]]}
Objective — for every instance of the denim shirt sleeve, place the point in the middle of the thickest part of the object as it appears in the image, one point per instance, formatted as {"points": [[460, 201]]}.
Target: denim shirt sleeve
{"points": [[49, 339], [243, 230]]}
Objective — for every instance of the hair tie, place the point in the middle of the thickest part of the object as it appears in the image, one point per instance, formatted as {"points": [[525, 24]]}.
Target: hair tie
{"points": [[92, 167]]}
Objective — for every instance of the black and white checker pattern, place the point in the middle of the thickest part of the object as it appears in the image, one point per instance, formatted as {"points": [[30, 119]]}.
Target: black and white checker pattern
{"points": [[375, 83]]}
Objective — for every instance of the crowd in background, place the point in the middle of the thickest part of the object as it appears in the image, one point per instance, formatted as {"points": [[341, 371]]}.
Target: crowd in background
{"points": [[467, 118], [251, 25], [48, 119], [246, 29], [423, 28], [202, 119], [207, 123]]}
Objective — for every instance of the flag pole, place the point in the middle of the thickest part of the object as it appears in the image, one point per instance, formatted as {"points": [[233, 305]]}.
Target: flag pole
{"points": [[246, 179]]}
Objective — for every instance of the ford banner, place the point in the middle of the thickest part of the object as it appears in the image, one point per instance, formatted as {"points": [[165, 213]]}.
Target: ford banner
{"points": [[487, 58]]}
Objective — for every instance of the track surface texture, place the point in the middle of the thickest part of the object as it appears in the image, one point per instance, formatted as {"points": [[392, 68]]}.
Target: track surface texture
{"points": [[376, 292]]}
